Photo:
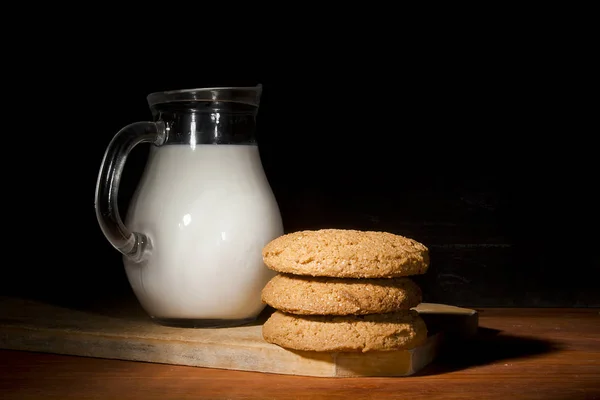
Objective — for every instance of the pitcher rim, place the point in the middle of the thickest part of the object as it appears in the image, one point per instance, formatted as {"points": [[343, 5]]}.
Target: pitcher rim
{"points": [[241, 94]]}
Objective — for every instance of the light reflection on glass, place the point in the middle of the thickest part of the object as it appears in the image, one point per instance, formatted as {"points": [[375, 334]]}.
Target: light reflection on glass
{"points": [[193, 132], [215, 117]]}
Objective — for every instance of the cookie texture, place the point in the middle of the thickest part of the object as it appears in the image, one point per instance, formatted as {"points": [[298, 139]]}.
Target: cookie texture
{"points": [[308, 295], [325, 333], [346, 254]]}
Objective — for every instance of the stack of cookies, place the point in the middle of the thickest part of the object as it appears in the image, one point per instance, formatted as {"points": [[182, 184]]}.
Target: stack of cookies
{"points": [[344, 291]]}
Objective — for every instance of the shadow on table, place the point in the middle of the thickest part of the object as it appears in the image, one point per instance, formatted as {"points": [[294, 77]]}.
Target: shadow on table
{"points": [[487, 347]]}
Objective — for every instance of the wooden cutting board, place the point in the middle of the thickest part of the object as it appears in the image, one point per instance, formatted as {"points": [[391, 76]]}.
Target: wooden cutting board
{"points": [[126, 333]]}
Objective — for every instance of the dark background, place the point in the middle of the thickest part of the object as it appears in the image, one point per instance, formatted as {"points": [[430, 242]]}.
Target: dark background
{"points": [[471, 148]]}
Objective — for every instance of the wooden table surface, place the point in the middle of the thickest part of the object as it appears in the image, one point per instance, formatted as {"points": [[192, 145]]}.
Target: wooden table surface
{"points": [[519, 354]]}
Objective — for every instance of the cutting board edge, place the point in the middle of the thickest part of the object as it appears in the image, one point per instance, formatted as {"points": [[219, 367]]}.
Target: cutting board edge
{"points": [[75, 344]]}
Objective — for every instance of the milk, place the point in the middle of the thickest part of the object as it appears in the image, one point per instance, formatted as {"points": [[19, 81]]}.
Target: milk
{"points": [[208, 211]]}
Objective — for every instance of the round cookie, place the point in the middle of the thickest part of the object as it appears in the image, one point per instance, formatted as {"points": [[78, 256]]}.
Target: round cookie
{"points": [[325, 333], [338, 296], [346, 254]]}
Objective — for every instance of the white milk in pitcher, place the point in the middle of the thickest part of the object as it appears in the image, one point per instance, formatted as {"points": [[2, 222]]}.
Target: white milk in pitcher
{"points": [[209, 211]]}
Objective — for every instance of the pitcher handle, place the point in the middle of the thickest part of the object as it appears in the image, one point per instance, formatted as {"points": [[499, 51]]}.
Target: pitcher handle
{"points": [[134, 245]]}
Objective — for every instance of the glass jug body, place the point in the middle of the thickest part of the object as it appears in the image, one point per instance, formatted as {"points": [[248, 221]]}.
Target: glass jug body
{"points": [[202, 212]]}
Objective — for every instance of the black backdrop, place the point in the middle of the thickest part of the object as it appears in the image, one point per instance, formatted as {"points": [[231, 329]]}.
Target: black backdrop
{"points": [[467, 151]]}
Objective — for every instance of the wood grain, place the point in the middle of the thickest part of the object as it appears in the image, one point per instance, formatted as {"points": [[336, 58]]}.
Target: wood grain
{"points": [[518, 354], [126, 333]]}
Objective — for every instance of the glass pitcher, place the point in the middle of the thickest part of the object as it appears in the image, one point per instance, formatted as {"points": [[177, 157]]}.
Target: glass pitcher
{"points": [[201, 213]]}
